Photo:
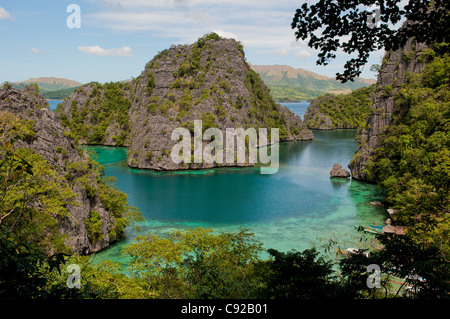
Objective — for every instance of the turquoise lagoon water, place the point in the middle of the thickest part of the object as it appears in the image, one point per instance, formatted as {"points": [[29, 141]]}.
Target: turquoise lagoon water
{"points": [[298, 207]]}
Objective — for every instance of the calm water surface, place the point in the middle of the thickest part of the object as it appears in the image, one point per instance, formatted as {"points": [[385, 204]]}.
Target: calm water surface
{"points": [[53, 103], [298, 108], [296, 208]]}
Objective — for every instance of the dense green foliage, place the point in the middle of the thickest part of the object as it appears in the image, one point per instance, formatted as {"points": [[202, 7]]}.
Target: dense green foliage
{"points": [[361, 27], [195, 264], [198, 264], [413, 161], [345, 111], [407, 270], [106, 105], [25, 184], [34, 199], [300, 275]]}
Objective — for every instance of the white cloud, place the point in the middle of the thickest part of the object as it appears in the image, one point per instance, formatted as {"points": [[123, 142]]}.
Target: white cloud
{"points": [[200, 17], [303, 54], [35, 50], [263, 27], [98, 51], [4, 15], [194, 3], [281, 52], [253, 23], [226, 34]]}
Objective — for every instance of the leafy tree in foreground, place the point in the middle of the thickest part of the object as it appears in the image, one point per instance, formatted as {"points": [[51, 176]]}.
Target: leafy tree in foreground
{"points": [[199, 264], [300, 275], [420, 271], [196, 264], [364, 26], [31, 201], [34, 199]]}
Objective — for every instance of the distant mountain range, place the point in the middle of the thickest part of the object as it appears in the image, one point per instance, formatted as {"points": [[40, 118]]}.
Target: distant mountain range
{"points": [[51, 87], [288, 84]]}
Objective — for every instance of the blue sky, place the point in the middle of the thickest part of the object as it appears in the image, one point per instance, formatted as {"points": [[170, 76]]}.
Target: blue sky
{"points": [[117, 38]]}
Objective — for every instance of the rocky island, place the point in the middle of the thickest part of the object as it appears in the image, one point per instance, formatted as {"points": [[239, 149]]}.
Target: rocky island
{"points": [[208, 81], [347, 111], [339, 171]]}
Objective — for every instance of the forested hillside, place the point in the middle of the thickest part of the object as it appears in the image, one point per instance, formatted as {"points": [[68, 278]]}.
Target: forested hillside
{"points": [[42, 162], [51, 87], [412, 155], [343, 111], [288, 84]]}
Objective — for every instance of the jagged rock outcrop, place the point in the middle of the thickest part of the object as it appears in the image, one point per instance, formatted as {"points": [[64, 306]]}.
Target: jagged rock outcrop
{"points": [[98, 114], [315, 119], [209, 81], [395, 69], [339, 171], [52, 143]]}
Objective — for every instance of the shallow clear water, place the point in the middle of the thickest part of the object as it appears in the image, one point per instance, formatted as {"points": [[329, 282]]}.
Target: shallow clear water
{"points": [[296, 208]]}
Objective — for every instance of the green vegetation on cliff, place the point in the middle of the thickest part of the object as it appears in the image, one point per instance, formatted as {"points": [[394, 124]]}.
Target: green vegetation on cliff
{"points": [[413, 161], [208, 80], [342, 111], [33, 199], [263, 106], [45, 186], [104, 106], [24, 185]]}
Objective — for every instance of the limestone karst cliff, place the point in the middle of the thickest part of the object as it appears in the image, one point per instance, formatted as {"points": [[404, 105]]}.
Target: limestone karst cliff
{"points": [[208, 81], [92, 223], [395, 69]]}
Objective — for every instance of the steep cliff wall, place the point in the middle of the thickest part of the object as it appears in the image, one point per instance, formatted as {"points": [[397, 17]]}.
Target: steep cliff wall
{"points": [[396, 67], [98, 113], [208, 80], [74, 170]]}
